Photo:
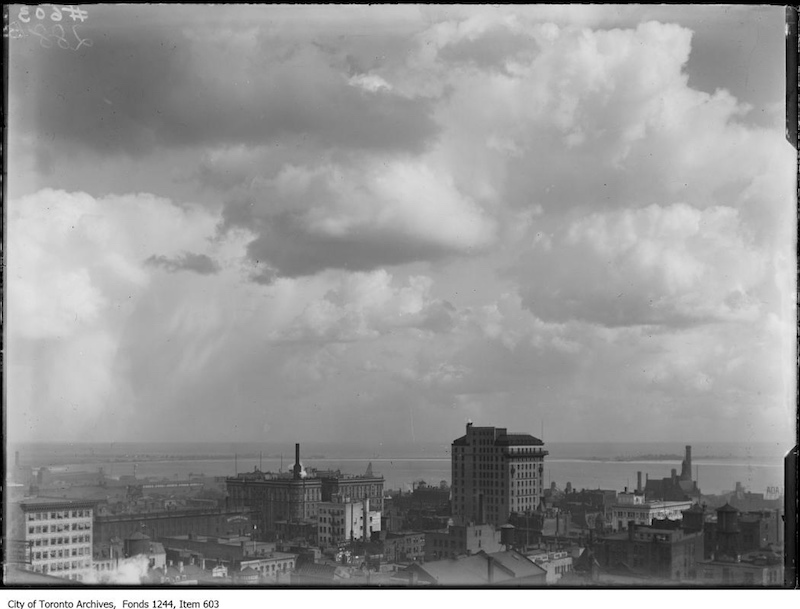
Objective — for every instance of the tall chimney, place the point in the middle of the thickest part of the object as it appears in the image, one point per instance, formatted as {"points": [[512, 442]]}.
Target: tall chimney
{"points": [[688, 472], [297, 468], [639, 482]]}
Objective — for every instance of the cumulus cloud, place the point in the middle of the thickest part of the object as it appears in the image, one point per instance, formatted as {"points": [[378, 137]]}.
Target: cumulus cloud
{"points": [[76, 274], [367, 305], [360, 218], [461, 212], [656, 265]]}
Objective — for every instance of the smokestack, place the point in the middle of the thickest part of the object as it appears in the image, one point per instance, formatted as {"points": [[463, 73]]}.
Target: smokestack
{"points": [[297, 468], [639, 482], [689, 458]]}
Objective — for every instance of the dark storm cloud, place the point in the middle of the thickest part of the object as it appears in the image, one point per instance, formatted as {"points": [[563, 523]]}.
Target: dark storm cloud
{"points": [[292, 250], [161, 85], [197, 263]]}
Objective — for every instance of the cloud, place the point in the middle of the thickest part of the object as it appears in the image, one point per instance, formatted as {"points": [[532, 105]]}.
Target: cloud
{"points": [[76, 275], [193, 85], [657, 265], [368, 305], [187, 261], [461, 212], [359, 217]]}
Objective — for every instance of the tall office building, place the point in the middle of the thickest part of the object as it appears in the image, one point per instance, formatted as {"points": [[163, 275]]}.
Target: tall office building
{"points": [[495, 474], [58, 534]]}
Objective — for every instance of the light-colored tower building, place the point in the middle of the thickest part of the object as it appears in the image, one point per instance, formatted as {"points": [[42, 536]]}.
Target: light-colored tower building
{"points": [[58, 533], [495, 474]]}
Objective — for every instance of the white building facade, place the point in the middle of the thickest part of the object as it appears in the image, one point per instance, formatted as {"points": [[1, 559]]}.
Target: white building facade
{"points": [[59, 535], [644, 513], [343, 521]]}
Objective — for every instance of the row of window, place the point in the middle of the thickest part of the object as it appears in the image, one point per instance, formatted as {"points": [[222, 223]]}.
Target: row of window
{"points": [[61, 553], [276, 567], [58, 541], [59, 528], [65, 565], [59, 515]]}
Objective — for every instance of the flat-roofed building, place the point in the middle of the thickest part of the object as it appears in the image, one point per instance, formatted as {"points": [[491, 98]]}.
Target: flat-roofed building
{"points": [[643, 513], [496, 474], [58, 534], [274, 497]]}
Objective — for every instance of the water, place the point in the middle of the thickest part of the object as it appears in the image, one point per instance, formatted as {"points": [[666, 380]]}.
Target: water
{"points": [[717, 467]]}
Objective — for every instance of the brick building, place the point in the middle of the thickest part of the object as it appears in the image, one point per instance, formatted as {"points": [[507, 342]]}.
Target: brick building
{"points": [[496, 474], [662, 550], [458, 540], [353, 488], [404, 546], [165, 523], [275, 497]]}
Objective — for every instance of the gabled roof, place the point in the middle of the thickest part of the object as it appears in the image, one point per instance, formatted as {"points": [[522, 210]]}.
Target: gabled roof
{"points": [[518, 564]]}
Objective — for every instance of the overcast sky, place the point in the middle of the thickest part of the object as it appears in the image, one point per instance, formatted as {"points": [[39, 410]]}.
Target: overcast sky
{"points": [[354, 224]]}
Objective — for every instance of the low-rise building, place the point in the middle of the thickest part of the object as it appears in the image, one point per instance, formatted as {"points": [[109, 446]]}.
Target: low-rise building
{"points": [[404, 547], [508, 568], [644, 512], [173, 522], [757, 569], [556, 564], [458, 540], [664, 551], [235, 554]]}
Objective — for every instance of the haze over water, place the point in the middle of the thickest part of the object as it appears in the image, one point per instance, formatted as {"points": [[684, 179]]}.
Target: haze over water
{"points": [[585, 465]]}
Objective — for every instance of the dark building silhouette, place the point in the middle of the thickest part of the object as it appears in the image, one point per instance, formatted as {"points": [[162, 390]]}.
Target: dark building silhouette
{"points": [[496, 474], [675, 487]]}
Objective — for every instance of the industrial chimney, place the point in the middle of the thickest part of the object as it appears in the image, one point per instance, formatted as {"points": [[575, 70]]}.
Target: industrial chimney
{"points": [[686, 473], [639, 482], [297, 467]]}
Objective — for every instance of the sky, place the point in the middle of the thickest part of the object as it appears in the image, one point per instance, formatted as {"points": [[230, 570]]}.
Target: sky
{"points": [[373, 224]]}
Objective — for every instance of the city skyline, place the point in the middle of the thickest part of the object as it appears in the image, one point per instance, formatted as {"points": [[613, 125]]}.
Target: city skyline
{"points": [[323, 223]]}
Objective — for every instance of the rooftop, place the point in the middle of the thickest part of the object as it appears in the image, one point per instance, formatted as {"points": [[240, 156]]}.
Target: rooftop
{"points": [[517, 439], [507, 439], [37, 503]]}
